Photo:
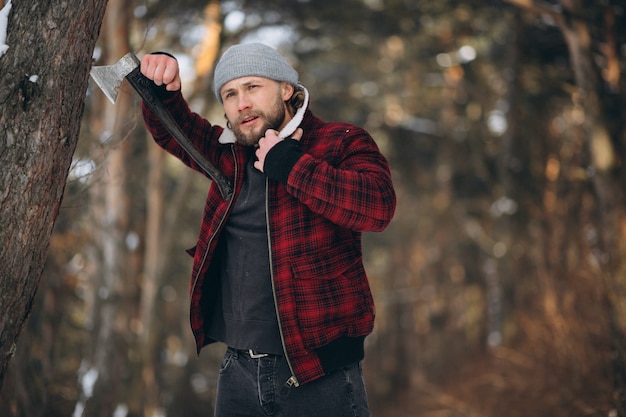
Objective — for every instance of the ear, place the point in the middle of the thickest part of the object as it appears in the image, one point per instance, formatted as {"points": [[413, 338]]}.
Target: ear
{"points": [[287, 90]]}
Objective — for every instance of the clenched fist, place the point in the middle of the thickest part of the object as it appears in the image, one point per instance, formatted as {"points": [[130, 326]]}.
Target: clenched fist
{"points": [[162, 69]]}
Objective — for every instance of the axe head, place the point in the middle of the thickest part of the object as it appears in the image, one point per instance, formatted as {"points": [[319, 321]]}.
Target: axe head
{"points": [[110, 77]]}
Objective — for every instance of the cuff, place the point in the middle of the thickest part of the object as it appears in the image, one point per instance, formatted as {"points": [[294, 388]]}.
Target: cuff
{"points": [[281, 158]]}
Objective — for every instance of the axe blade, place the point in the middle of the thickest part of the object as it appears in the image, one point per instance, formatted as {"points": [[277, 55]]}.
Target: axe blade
{"points": [[110, 77]]}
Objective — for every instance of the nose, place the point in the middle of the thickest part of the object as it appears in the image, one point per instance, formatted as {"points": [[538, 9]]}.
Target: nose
{"points": [[243, 102]]}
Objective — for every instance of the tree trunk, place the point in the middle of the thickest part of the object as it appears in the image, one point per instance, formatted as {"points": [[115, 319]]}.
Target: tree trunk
{"points": [[154, 260], [115, 275], [606, 182], [44, 79], [163, 220], [594, 198]]}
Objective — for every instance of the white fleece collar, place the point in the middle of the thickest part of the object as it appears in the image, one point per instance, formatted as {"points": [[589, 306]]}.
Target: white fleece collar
{"points": [[228, 136]]}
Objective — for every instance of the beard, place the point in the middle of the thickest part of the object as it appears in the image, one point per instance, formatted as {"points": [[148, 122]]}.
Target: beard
{"points": [[272, 119]]}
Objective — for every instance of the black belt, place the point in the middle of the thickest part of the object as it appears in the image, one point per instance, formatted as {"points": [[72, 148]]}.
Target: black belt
{"points": [[253, 353]]}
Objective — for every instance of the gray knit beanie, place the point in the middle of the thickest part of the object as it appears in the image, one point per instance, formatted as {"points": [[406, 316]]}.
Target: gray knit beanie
{"points": [[253, 59]]}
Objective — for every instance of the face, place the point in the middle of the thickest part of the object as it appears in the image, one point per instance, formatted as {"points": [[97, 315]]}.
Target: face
{"points": [[253, 105]]}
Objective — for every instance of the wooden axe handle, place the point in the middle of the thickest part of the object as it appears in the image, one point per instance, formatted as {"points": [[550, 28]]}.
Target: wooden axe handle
{"points": [[146, 89]]}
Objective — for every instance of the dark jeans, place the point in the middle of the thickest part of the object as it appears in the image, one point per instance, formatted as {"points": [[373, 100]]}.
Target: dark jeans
{"points": [[249, 387]]}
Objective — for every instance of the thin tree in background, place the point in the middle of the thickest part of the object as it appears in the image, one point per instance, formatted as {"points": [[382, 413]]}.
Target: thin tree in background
{"points": [[114, 273], [586, 182]]}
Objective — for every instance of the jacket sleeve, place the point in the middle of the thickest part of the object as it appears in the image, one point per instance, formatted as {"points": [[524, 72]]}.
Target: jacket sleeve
{"points": [[354, 191], [199, 131]]}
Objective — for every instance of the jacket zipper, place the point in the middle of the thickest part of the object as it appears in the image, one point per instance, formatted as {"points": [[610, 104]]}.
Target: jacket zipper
{"points": [[206, 252], [292, 381]]}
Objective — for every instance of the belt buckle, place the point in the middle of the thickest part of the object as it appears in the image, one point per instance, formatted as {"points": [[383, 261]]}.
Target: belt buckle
{"points": [[255, 355]]}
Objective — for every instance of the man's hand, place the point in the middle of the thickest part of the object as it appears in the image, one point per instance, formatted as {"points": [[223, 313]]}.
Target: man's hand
{"points": [[267, 142], [162, 69]]}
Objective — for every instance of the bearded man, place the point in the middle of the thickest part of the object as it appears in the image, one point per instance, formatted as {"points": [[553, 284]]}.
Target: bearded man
{"points": [[278, 273]]}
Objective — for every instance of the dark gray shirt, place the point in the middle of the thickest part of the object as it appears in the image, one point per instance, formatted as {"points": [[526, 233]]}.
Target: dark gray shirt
{"points": [[245, 315]]}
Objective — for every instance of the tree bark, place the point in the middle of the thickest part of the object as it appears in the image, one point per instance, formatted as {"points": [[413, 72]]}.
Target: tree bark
{"points": [[44, 79]]}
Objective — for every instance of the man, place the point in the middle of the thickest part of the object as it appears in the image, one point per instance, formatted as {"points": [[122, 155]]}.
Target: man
{"points": [[278, 273]]}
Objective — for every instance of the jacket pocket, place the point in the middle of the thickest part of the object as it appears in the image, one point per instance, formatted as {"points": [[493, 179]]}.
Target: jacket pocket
{"points": [[332, 306], [325, 263]]}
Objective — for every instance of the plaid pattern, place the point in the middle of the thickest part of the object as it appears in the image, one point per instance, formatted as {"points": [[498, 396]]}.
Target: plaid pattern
{"points": [[340, 187]]}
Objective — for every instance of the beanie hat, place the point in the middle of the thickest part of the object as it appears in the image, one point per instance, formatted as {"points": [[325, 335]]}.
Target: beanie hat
{"points": [[253, 59]]}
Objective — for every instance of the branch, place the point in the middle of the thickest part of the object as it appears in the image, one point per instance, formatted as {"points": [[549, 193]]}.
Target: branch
{"points": [[556, 12], [538, 6]]}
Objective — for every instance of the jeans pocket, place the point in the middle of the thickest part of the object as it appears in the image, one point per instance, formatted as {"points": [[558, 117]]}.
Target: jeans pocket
{"points": [[229, 356]]}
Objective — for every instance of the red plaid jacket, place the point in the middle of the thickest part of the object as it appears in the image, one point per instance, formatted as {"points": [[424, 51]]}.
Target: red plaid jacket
{"points": [[339, 188]]}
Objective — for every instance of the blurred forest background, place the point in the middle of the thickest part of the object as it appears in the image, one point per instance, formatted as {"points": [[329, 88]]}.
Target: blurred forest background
{"points": [[501, 283]]}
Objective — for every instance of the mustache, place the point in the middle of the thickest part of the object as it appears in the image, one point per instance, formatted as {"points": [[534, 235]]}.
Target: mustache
{"points": [[249, 115]]}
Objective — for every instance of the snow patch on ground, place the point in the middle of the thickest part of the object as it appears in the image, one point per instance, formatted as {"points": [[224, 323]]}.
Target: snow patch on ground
{"points": [[4, 26]]}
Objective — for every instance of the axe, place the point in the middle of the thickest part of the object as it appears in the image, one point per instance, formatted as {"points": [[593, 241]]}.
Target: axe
{"points": [[110, 77]]}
